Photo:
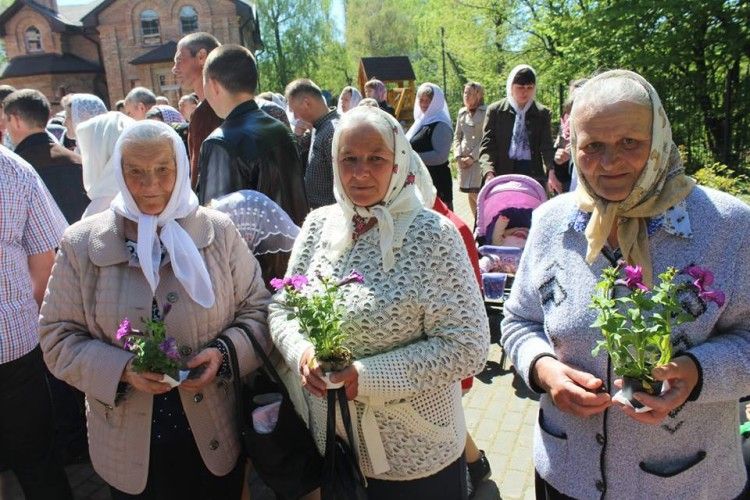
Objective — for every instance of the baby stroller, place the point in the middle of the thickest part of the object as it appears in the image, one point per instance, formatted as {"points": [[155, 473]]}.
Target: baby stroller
{"points": [[504, 207]]}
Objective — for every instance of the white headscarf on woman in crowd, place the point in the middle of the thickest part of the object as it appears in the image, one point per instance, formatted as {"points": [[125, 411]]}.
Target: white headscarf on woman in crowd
{"points": [[356, 97], [187, 262], [436, 112], [83, 107], [401, 203], [519, 126], [96, 139]]}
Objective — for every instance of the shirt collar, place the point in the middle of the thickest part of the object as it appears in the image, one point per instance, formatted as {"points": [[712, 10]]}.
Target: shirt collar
{"points": [[674, 220]]}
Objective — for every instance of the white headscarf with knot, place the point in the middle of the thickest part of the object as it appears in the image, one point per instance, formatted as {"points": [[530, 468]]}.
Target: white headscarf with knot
{"points": [[83, 107], [437, 111], [187, 263], [401, 203], [519, 125]]}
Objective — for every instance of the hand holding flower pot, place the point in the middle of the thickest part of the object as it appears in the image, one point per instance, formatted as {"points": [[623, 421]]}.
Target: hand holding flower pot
{"points": [[318, 309], [637, 327]]}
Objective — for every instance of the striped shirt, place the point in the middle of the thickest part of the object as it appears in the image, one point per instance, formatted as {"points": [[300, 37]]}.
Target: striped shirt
{"points": [[30, 224]]}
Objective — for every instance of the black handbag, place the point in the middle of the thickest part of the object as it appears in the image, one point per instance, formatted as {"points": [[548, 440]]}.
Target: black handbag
{"points": [[342, 477], [286, 459]]}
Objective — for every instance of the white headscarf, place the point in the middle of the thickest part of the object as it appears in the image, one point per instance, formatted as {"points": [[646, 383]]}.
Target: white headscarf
{"points": [[401, 203], [437, 111], [96, 139], [187, 262], [356, 97], [83, 107], [519, 126]]}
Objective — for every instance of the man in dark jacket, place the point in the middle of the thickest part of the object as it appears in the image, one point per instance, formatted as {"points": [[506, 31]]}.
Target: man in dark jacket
{"points": [[27, 112], [250, 150], [517, 136]]}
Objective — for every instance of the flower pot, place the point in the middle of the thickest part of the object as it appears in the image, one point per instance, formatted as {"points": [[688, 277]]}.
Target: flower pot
{"points": [[632, 385], [329, 366]]}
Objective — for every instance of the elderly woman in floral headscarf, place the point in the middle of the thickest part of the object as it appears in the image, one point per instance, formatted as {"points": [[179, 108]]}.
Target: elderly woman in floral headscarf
{"points": [[633, 204], [155, 249], [78, 109], [416, 326]]}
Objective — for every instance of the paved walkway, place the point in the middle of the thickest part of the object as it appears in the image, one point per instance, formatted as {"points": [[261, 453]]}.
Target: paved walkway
{"points": [[500, 415]]}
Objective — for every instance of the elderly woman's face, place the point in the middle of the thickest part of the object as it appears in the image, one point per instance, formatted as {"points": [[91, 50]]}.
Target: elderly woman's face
{"points": [[150, 173], [613, 145], [365, 165], [424, 101], [346, 101]]}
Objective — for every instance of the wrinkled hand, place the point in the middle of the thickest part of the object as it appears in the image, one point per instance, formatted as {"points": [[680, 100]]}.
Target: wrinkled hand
{"points": [[682, 375], [553, 185], [311, 374], [211, 358], [350, 377], [572, 391], [148, 382], [562, 155], [465, 162]]}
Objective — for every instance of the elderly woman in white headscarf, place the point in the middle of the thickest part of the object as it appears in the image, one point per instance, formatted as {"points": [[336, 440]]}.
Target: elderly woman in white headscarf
{"points": [[635, 205], [416, 325], [431, 136], [96, 140], [348, 99], [155, 249], [78, 109]]}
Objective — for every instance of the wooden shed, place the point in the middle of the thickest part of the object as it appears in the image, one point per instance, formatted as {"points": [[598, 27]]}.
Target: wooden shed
{"points": [[398, 75]]}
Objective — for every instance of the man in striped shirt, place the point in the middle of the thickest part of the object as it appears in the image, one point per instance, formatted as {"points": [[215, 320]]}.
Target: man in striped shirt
{"points": [[31, 226]]}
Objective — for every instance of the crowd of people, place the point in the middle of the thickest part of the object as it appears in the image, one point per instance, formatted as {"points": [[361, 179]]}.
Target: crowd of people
{"points": [[150, 209]]}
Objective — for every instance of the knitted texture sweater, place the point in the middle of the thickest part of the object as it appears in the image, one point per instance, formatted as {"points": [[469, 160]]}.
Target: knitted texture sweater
{"points": [[695, 451], [415, 331]]}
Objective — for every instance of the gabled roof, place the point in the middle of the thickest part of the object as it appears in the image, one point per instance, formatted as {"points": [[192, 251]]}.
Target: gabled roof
{"points": [[164, 52], [391, 68], [43, 64], [58, 21]]}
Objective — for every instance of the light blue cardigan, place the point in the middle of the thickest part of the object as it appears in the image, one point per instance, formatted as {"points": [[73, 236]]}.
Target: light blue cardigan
{"points": [[695, 453]]}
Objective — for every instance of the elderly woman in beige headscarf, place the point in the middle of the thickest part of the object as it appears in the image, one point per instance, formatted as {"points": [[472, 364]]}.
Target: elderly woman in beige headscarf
{"points": [[416, 325], [635, 205]]}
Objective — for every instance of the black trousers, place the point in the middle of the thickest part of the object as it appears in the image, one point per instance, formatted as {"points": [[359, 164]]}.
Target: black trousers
{"points": [[441, 178], [26, 429], [545, 491], [448, 484]]}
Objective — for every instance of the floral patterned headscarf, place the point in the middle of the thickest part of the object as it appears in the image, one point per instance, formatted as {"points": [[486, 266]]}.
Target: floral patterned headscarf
{"points": [[661, 185], [401, 204]]}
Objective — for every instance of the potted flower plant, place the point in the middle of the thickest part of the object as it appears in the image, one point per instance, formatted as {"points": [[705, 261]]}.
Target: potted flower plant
{"points": [[637, 326], [318, 308], [154, 350]]}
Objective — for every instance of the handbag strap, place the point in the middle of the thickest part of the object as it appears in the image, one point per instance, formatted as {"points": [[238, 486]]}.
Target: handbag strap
{"points": [[236, 381], [333, 395], [347, 420], [267, 365]]}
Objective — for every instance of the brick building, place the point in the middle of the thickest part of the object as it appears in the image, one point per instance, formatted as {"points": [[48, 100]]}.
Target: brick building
{"points": [[107, 47]]}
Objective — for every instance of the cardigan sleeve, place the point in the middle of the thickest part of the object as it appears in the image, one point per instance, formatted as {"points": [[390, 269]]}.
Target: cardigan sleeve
{"points": [[724, 359], [71, 353], [441, 145], [523, 335], [456, 329]]}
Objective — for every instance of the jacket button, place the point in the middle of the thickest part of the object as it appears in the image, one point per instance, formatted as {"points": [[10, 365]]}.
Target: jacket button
{"points": [[600, 439], [172, 297], [599, 484], [198, 397], [186, 350], [214, 444]]}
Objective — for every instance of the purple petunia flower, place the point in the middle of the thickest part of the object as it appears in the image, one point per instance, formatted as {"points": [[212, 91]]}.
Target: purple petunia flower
{"points": [[702, 281], [169, 347], [298, 281], [278, 283], [124, 329], [634, 278], [354, 277]]}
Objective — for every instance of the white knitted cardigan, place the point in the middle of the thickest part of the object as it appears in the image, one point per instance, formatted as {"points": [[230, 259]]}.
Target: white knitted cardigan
{"points": [[415, 332]]}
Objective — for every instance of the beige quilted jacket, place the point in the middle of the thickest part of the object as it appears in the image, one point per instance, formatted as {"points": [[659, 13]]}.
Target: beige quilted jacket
{"points": [[93, 287]]}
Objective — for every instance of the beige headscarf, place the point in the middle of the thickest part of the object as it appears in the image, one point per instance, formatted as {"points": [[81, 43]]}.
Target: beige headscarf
{"points": [[662, 185]]}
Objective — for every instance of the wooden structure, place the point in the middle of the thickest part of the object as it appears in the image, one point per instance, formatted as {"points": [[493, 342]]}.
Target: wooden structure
{"points": [[398, 76]]}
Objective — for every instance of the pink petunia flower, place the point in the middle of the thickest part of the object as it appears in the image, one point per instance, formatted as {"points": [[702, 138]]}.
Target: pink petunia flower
{"points": [[634, 278]]}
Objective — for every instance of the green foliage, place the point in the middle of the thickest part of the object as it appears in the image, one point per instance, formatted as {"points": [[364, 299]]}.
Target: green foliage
{"points": [[637, 328], [149, 348], [720, 177]]}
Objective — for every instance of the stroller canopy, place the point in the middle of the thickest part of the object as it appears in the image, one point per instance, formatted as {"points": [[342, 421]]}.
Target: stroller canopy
{"points": [[506, 191]]}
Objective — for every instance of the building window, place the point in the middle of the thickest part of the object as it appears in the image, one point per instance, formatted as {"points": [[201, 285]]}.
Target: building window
{"points": [[188, 19], [33, 39], [149, 25]]}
